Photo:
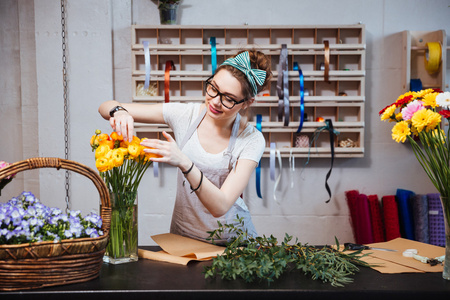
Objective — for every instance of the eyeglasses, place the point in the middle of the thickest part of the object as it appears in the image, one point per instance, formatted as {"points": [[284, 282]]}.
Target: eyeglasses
{"points": [[226, 101]]}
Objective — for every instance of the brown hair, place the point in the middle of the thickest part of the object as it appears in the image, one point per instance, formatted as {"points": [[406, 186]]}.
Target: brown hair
{"points": [[258, 60]]}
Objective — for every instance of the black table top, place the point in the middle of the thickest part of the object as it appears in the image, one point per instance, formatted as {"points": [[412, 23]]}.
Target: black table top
{"points": [[147, 279]]}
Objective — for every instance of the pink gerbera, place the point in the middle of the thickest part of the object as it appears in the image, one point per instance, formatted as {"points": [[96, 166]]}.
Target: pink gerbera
{"points": [[411, 109]]}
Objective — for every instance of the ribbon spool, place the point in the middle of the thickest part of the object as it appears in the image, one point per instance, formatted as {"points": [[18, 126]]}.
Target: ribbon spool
{"points": [[258, 168], [302, 95], [169, 66], [283, 86], [327, 61], [212, 41], [147, 64], [433, 57]]}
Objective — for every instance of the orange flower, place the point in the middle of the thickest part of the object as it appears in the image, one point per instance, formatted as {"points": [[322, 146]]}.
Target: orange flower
{"points": [[136, 140], [151, 155], [109, 143], [116, 137]]}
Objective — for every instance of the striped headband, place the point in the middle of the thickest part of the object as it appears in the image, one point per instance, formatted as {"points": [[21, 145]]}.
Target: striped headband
{"points": [[242, 63]]}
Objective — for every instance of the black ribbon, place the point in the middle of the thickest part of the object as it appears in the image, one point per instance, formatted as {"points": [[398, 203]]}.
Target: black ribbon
{"points": [[332, 133], [328, 127]]}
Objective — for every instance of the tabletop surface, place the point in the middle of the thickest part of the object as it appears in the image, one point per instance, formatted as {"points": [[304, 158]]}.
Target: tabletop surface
{"points": [[149, 279]]}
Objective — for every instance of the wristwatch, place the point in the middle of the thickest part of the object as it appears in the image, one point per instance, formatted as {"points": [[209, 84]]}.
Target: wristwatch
{"points": [[116, 109]]}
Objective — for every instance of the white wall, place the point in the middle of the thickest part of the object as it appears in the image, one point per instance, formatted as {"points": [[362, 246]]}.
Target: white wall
{"points": [[99, 63]]}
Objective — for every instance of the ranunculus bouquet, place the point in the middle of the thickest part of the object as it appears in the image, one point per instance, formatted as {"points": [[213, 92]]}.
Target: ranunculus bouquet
{"points": [[121, 165], [418, 118]]}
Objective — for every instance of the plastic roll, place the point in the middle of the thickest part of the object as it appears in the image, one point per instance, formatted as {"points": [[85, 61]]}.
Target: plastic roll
{"points": [[433, 57]]}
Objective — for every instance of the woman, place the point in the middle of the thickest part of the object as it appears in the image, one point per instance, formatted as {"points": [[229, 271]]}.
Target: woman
{"points": [[217, 150]]}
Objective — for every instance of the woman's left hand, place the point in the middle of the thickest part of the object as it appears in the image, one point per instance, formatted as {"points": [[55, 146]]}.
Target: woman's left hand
{"points": [[168, 150]]}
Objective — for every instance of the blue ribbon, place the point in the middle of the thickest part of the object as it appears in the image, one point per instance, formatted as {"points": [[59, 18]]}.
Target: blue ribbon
{"points": [[212, 41], [302, 96], [258, 169]]}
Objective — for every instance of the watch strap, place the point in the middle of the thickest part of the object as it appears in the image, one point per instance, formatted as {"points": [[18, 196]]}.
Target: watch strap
{"points": [[116, 109]]}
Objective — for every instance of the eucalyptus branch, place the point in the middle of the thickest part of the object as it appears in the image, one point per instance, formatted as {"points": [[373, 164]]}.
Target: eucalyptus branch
{"points": [[263, 258]]}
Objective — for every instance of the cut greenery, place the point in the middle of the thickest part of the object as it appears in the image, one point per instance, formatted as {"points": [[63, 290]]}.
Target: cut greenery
{"points": [[264, 259]]}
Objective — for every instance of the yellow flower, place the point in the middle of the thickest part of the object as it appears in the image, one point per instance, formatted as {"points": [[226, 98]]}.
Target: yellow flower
{"points": [[421, 119], [422, 93], [117, 158], [102, 164], [434, 120], [400, 132], [101, 150], [406, 95], [387, 114], [398, 118], [430, 99], [134, 150], [124, 150]]}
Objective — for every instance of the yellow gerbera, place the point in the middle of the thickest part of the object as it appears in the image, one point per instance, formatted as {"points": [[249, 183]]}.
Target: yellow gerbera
{"points": [[422, 93], [400, 131], [405, 95], [421, 119], [387, 114], [430, 99], [434, 120]]}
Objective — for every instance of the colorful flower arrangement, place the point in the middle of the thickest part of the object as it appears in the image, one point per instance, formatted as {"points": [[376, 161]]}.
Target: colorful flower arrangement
{"points": [[24, 219], [4, 181], [418, 118], [122, 165]]}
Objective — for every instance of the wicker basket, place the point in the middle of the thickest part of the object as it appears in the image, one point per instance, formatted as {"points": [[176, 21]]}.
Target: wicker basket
{"points": [[43, 264]]}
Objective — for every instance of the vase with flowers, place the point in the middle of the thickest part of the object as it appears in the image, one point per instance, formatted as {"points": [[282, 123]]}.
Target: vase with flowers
{"points": [[122, 165], [418, 118]]}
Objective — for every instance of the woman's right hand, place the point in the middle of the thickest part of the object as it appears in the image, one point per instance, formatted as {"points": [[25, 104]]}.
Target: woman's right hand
{"points": [[123, 124]]}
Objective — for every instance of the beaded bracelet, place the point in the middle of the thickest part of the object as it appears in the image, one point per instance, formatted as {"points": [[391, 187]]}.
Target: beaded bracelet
{"points": [[201, 179], [190, 169]]}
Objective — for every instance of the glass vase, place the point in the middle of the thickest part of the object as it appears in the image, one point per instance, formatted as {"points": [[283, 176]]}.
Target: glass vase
{"points": [[446, 210], [168, 14], [123, 241]]}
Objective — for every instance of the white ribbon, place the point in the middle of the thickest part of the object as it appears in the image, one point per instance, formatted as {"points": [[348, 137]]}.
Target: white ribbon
{"points": [[147, 64], [292, 167], [155, 169], [274, 151]]}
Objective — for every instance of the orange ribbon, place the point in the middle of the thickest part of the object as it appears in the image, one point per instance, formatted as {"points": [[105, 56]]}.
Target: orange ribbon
{"points": [[169, 66], [327, 60]]}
